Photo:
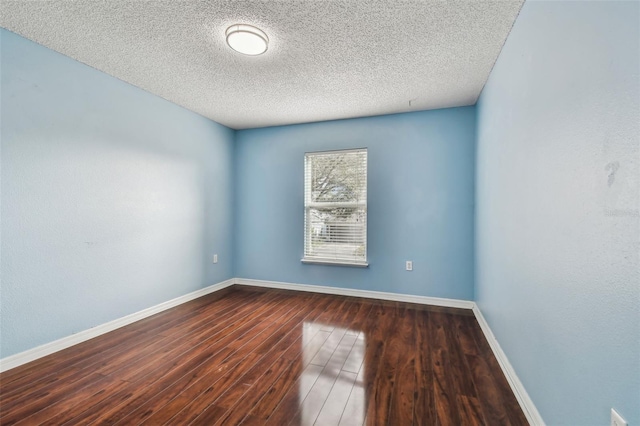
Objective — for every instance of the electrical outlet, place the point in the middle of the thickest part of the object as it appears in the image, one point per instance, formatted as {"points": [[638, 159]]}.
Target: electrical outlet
{"points": [[409, 265], [215, 258], [617, 420]]}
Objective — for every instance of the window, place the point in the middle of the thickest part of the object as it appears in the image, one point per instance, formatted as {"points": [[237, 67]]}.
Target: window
{"points": [[335, 207]]}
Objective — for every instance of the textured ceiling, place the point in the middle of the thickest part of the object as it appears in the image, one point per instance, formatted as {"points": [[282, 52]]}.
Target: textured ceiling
{"points": [[326, 59]]}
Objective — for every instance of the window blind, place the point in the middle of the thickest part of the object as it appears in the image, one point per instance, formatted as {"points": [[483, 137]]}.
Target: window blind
{"points": [[335, 202]]}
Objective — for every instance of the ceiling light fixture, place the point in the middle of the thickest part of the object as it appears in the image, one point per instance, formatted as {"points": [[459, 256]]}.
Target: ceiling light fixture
{"points": [[247, 39]]}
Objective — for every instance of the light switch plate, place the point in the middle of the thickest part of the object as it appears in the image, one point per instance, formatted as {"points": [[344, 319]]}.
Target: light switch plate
{"points": [[617, 420]]}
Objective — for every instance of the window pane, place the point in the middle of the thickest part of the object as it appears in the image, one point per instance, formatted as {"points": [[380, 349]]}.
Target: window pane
{"points": [[336, 206]]}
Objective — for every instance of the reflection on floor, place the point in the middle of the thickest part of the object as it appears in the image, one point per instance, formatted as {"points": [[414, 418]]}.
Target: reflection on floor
{"points": [[333, 376]]}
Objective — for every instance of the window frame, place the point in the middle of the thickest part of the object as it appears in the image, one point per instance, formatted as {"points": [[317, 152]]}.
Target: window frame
{"points": [[309, 205]]}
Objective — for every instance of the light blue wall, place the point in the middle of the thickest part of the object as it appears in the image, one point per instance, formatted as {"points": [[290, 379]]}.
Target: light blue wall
{"points": [[420, 202], [113, 199], [558, 252]]}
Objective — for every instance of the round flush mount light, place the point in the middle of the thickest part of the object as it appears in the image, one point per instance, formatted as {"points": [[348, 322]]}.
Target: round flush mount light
{"points": [[247, 39]]}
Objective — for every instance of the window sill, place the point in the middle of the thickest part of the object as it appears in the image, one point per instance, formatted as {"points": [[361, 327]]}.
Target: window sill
{"points": [[335, 263]]}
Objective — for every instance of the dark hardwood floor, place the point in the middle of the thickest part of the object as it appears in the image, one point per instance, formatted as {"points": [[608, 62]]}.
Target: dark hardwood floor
{"points": [[268, 357]]}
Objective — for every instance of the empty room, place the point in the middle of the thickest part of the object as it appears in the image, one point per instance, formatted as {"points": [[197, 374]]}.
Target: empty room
{"points": [[305, 212]]}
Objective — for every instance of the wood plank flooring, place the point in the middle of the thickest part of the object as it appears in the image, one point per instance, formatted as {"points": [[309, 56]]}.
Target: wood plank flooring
{"points": [[270, 357]]}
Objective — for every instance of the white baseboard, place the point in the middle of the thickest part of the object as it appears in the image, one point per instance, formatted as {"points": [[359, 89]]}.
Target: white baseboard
{"points": [[527, 405], [423, 300], [60, 344], [530, 411]]}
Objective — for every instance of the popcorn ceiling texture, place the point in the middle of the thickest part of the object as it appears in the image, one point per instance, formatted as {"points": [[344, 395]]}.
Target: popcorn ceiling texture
{"points": [[326, 59]]}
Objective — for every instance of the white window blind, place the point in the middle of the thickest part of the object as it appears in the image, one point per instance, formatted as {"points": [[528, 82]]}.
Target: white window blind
{"points": [[335, 204]]}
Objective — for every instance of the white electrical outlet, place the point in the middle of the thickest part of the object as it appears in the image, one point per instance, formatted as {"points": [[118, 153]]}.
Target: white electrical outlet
{"points": [[215, 258], [409, 265], [617, 420]]}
